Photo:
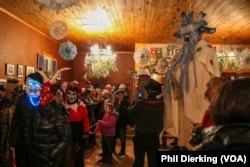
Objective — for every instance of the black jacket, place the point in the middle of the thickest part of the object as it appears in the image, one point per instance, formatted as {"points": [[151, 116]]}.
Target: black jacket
{"points": [[123, 119], [22, 122], [52, 136], [20, 134], [148, 115], [229, 137]]}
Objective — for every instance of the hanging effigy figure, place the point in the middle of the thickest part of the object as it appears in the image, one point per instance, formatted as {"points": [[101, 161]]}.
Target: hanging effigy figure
{"points": [[185, 81]]}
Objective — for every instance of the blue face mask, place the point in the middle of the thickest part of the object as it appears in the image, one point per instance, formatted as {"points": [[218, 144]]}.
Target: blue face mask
{"points": [[33, 88]]}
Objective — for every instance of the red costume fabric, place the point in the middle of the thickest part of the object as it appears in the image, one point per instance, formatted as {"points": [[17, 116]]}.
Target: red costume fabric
{"points": [[207, 120], [81, 114]]}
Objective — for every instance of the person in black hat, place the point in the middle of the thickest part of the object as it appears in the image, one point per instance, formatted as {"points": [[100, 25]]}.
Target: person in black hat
{"points": [[20, 135], [148, 116]]}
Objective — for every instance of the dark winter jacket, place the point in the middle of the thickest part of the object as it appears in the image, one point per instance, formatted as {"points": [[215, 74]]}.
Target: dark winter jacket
{"points": [[229, 137], [22, 122], [148, 115], [20, 134], [52, 136], [123, 119]]}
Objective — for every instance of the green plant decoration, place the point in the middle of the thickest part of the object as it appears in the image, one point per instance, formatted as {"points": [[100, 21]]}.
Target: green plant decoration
{"points": [[99, 66], [228, 63]]}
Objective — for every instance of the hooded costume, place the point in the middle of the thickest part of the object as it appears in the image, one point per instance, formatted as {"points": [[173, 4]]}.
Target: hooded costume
{"points": [[186, 79], [79, 122]]}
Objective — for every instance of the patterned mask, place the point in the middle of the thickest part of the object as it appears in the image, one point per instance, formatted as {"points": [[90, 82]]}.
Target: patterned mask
{"points": [[46, 94], [33, 88], [72, 93]]}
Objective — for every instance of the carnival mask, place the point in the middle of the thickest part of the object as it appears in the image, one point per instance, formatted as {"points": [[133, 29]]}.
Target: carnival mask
{"points": [[46, 94], [72, 94], [33, 88]]}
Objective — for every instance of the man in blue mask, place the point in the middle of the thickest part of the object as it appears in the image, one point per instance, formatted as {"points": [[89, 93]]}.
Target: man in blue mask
{"points": [[23, 118]]}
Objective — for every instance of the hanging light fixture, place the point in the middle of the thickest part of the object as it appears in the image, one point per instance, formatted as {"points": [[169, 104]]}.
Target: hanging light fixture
{"points": [[99, 61], [228, 58]]}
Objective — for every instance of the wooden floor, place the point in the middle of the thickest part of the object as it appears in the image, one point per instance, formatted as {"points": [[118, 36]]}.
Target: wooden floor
{"points": [[92, 155]]}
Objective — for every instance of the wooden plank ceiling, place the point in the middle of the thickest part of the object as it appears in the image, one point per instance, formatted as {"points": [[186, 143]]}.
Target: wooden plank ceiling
{"points": [[139, 21]]}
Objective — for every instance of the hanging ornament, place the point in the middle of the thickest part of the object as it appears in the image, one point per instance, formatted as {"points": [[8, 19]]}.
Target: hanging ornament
{"points": [[57, 5], [58, 30], [67, 50], [142, 56]]}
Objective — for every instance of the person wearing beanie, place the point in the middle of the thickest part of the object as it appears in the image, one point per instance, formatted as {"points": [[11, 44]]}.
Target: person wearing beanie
{"points": [[26, 108]]}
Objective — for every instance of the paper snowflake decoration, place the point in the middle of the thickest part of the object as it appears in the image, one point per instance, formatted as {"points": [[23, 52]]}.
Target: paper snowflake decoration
{"points": [[58, 30], [67, 50], [142, 56]]}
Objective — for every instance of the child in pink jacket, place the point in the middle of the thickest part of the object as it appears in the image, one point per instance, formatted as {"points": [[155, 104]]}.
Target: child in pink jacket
{"points": [[107, 126]]}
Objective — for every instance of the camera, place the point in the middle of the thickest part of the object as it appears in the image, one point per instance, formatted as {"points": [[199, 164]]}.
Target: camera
{"points": [[197, 135]]}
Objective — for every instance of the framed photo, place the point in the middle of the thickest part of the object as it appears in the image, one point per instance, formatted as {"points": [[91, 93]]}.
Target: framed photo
{"points": [[46, 63], [19, 71], [9, 69], [29, 70]]}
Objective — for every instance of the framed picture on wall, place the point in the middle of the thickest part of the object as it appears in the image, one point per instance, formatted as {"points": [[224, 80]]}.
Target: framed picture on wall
{"points": [[9, 69], [19, 71], [29, 70], [46, 64]]}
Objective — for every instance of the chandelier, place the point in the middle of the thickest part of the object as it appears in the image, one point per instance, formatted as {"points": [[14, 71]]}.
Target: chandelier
{"points": [[99, 61]]}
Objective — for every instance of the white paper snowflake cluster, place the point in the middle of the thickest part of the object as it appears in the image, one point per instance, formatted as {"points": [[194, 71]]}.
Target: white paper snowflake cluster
{"points": [[142, 56], [58, 30], [67, 50]]}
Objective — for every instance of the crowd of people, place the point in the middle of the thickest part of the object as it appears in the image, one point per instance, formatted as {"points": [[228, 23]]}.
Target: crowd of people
{"points": [[55, 122]]}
